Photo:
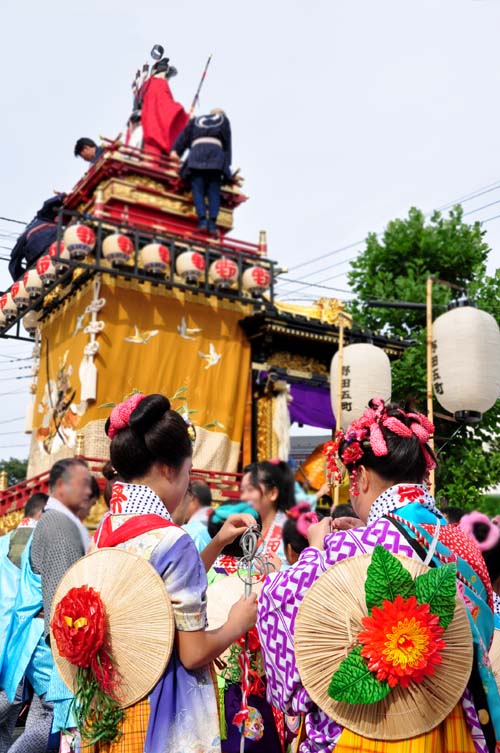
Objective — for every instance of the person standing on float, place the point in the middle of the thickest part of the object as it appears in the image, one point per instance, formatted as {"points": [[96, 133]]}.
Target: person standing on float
{"points": [[162, 118]]}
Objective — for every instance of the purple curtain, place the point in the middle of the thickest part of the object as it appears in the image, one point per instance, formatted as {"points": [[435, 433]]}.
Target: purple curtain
{"points": [[311, 406]]}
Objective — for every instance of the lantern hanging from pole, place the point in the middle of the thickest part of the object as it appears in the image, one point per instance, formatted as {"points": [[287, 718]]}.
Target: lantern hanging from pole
{"points": [[32, 283], [366, 373], [466, 362]]}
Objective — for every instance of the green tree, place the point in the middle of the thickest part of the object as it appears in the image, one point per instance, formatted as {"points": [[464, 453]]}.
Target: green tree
{"points": [[15, 470], [395, 267]]}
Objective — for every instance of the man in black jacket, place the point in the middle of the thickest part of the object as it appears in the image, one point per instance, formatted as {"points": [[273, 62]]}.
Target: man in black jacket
{"points": [[208, 165], [36, 239]]}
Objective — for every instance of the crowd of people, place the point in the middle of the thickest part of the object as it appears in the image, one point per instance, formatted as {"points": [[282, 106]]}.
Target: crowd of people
{"points": [[256, 674]]}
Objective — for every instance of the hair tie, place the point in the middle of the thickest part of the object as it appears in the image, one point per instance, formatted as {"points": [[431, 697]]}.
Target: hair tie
{"points": [[305, 521], [297, 510], [120, 415], [467, 524]]}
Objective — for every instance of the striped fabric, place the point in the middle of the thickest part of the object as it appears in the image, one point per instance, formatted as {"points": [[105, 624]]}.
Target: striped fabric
{"points": [[133, 729], [451, 736]]}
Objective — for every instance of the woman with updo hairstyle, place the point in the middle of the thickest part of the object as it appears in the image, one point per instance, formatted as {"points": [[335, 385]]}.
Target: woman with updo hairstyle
{"points": [[151, 451], [387, 455], [268, 487]]}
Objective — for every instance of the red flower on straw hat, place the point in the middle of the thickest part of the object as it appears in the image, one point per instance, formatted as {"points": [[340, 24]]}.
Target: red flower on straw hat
{"points": [[402, 641], [79, 625]]}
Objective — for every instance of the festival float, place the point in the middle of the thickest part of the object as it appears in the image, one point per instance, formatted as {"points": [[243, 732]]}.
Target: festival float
{"points": [[132, 297]]}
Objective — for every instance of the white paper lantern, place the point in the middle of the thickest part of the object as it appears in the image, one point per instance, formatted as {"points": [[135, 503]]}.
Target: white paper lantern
{"points": [[62, 252], [117, 248], [79, 240], [32, 283], [223, 272], [8, 306], [20, 295], [255, 281], [366, 373], [466, 362], [3, 320], [190, 265], [155, 258], [30, 321], [46, 269]]}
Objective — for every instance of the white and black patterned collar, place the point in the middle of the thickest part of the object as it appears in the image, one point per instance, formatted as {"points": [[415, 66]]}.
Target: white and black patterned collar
{"points": [[398, 496], [496, 603], [136, 499]]}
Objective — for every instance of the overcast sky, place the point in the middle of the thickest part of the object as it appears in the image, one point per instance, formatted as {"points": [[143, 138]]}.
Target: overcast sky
{"points": [[344, 114]]}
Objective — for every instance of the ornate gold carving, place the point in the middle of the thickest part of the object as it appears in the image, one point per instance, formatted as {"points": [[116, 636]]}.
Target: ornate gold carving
{"points": [[267, 445], [95, 515], [327, 310], [134, 191], [10, 520], [296, 362]]}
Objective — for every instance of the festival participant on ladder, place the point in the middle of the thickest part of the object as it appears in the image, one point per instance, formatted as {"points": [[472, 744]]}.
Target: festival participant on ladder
{"points": [[151, 449], [387, 456], [208, 165], [12, 546], [162, 117], [88, 150], [269, 488]]}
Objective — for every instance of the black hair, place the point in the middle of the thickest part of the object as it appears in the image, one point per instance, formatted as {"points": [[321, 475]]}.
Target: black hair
{"points": [[62, 469], [405, 459], [452, 514], [81, 143], [35, 503], [233, 549], [491, 556], [111, 476], [201, 490], [291, 536], [95, 489], [155, 433], [341, 511], [274, 476]]}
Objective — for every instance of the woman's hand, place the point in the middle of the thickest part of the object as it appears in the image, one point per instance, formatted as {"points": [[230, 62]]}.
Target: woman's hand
{"points": [[317, 531], [234, 526], [243, 615], [344, 523]]}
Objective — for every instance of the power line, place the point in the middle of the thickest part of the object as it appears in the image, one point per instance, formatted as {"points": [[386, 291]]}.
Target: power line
{"points": [[315, 285], [323, 256], [9, 219], [11, 420]]}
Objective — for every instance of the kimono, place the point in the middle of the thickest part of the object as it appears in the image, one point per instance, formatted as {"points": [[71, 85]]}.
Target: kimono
{"points": [[180, 714], [399, 516]]}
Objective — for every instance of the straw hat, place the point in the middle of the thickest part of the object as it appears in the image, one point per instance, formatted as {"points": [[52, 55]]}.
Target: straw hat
{"points": [[326, 629], [139, 619], [221, 596]]}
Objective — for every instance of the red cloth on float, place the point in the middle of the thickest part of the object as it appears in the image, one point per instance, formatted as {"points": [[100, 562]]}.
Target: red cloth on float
{"points": [[162, 117]]}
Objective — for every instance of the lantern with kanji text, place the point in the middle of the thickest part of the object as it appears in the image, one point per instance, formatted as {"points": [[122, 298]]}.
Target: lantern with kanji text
{"points": [[366, 373], [466, 362], [46, 269], [79, 240], [20, 295], [255, 281], [32, 282], [190, 265], [223, 272], [155, 258], [117, 248]]}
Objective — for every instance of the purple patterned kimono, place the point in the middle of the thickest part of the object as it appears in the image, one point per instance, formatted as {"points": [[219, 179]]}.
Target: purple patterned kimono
{"points": [[283, 592]]}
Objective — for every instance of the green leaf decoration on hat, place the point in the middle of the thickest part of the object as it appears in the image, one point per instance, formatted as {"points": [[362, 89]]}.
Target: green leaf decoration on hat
{"points": [[386, 579], [438, 589], [353, 682]]}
